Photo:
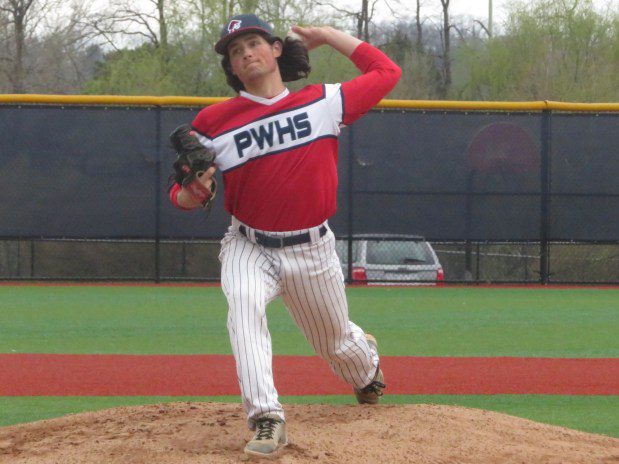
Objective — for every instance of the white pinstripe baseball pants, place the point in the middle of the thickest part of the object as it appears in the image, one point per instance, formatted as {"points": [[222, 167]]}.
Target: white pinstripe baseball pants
{"points": [[309, 279]]}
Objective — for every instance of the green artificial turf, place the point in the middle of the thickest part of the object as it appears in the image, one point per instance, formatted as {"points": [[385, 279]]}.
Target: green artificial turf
{"points": [[418, 321], [595, 414], [407, 321]]}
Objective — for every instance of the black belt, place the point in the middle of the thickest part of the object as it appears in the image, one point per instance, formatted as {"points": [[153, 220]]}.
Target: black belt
{"points": [[281, 242]]}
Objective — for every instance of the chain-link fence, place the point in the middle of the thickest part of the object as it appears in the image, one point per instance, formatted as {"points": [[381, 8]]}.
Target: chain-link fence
{"points": [[501, 196], [196, 260]]}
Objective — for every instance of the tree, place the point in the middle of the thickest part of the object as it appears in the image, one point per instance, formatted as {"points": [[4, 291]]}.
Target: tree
{"points": [[446, 57], [284, 13], [421, 77], [18, 14], [418, 26], [132, 72], [146, 21], [552, 49], [191, 66], [43, 48], [362, 17]]}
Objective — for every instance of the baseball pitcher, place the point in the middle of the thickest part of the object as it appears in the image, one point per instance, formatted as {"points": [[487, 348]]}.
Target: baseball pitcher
{"points": [[277, 151]]}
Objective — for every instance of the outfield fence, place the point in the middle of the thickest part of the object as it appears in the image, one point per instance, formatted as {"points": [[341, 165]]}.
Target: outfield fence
{"points": [[508, 192]]}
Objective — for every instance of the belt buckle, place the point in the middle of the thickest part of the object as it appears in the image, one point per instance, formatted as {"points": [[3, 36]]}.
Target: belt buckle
{"points": [[268, 241], [260, 239]]}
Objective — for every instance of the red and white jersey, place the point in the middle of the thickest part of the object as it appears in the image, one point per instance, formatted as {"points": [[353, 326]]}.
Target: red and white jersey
{"points": [[278, 156]]}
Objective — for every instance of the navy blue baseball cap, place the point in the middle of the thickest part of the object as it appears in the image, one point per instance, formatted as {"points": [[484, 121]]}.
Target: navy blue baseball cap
{"points": [[241, 24]]}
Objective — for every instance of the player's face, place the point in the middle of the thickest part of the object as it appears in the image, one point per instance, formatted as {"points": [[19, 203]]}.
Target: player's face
{"points": [[252, 57]]}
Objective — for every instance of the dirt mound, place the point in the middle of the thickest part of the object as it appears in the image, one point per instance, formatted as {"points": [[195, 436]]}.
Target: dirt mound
{"points": [[187, 433]]}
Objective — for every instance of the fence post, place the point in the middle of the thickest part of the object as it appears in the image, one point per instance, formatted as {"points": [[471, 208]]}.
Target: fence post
{"points": [[468, 244], [350, 229], [157, 191], [544, 271], [31, 258]]}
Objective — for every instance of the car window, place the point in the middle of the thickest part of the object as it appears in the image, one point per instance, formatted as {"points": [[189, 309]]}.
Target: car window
{"points": [[399, 252], [341, 248]]}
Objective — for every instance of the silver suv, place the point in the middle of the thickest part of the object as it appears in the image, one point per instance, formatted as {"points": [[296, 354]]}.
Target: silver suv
{"points": [[391, 259]]}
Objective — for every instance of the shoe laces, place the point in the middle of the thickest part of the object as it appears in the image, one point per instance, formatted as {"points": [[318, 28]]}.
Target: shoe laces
{"points": [[375, 387], [266, 428]]}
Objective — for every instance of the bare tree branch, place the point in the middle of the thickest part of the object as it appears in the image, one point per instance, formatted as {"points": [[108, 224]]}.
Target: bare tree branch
{"points": [[353, 14], [483, 26]]}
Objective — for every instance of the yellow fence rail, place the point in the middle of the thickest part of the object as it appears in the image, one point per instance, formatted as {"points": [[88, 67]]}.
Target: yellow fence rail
{"points": [[544, 105]]}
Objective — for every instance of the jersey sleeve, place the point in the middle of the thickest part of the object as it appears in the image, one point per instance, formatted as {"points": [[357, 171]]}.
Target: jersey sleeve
{"points": [[176, 188], [380, 75]]}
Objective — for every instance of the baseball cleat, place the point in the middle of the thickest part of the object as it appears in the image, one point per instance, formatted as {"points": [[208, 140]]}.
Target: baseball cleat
{"points": [[371, 393], [269, 438]]}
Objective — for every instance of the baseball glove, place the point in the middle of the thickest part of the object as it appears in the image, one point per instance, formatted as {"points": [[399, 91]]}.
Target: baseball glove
{"points": [[192, 160]]}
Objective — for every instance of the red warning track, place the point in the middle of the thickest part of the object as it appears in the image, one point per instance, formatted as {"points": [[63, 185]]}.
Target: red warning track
{"points": [[205, 375]]}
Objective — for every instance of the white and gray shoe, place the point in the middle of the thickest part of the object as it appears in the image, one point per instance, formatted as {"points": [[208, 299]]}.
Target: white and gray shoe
{"points": [[269, 438]]}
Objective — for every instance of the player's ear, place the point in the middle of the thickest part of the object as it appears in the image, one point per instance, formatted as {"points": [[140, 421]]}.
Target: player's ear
{"points": [[278, 47]]}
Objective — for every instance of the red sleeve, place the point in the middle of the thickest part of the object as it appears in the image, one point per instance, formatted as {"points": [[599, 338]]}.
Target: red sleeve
{"points": [[173, 197], [362, 93]]}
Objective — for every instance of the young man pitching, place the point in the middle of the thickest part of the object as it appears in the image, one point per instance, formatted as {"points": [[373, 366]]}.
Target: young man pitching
{"points": [[277, 151]]}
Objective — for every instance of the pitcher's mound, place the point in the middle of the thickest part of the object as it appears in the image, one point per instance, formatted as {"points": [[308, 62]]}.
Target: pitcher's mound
{"points": [[183, 433]]}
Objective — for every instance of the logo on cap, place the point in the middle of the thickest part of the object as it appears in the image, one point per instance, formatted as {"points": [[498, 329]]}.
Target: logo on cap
{"points": [[234, 25]]}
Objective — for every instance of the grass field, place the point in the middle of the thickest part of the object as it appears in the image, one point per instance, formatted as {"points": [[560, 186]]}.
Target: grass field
{"points": [[536, 322]]}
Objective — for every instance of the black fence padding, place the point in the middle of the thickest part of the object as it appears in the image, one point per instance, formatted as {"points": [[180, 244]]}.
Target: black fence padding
{"points": [[78, 172], [584, 167], [102, 172], [447, 176]]}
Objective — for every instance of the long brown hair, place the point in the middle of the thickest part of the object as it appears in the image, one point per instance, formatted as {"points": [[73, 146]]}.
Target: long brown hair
{"points": [[293, 63]]}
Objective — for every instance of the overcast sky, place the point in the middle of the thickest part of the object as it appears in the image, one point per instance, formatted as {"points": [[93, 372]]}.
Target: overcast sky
{"points": [[478, 9]]}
